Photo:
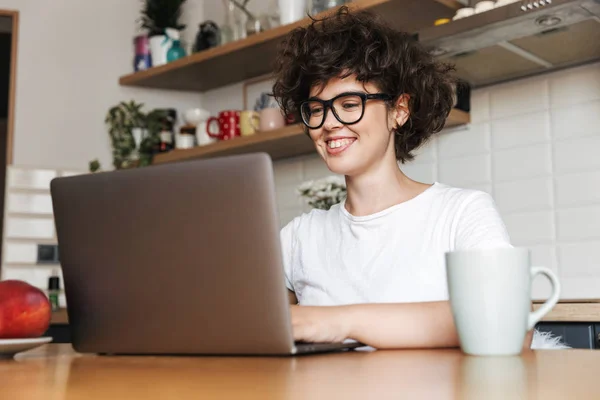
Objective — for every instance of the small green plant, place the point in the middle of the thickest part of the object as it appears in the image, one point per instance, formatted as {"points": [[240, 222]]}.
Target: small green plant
{"points": [[157, 15], [95, 166], [121, 121]]}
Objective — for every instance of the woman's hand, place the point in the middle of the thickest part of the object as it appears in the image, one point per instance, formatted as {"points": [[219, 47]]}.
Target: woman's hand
{"points": [[320, 324]]}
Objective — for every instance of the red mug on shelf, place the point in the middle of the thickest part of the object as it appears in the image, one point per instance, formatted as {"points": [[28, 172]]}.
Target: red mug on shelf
{"points": [[228, 123]]}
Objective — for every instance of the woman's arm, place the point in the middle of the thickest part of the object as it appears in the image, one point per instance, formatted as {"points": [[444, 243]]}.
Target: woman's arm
{"points": [[384, 326]]}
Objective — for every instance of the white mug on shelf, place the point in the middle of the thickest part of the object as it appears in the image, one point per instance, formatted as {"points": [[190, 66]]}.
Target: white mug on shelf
{"points": [[198, 117], [490, 297], [195, 116]]}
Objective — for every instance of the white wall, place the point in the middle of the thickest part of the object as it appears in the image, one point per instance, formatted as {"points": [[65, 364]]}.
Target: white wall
{"points": [[71, 54]]}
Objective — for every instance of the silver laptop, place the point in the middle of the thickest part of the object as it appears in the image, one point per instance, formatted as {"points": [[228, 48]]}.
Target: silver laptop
{"points": [[181, 258]]}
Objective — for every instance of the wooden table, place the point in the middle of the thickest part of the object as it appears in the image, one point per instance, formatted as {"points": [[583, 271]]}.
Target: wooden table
{"points": [[55, 372]]}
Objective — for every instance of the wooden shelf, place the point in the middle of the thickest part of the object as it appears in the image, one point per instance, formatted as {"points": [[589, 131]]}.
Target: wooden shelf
{"points": [[290, 141], [281, 143], [252, 57]]}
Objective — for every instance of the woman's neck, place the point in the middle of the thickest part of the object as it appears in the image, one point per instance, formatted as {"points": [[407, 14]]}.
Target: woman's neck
{"points": [[383, 186]]}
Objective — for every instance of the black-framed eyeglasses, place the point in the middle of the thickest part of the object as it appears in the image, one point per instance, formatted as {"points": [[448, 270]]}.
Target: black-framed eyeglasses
{"points": [[348, 108]]}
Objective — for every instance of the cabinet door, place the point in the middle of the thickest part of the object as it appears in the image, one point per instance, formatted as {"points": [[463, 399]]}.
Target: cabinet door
{"points": [[575, 335]]}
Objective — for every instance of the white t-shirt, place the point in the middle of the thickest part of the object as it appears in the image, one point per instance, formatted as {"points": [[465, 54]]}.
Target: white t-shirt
{"points": [[393, 256]]}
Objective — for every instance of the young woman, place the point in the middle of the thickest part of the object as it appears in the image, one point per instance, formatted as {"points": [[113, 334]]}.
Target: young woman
{"points": [[369, 96]]}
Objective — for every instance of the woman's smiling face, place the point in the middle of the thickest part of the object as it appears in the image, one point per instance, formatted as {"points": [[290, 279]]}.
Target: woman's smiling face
{"points": [[351, 149]]}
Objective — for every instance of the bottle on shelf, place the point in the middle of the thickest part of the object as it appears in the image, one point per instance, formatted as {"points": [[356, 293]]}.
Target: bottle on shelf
{"points": [[54, 290], [176, 51]]}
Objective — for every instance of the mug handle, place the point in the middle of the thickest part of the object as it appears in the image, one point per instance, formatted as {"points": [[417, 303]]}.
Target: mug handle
{"points": [[255, 121], [208, 124], [534, 317]]}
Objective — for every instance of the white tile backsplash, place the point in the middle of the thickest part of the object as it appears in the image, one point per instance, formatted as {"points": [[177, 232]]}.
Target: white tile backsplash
{"points": [[522, 163], [23, 178], [524, 195], [480, 110], [425, 173], [573, 86], [579, 287], [427, 152], [521, 130], [543, 256], [20, 253], [582, 223], [576, 121], [469, 140], [577, 154], [579, 259], [465, 171], [18, 273], [484, 187], [29, 228], [519, 97], [29, 203], [577, 189], [530, 228]]}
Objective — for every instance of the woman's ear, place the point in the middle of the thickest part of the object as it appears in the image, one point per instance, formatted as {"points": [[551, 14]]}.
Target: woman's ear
{"points": [[401, 110]]}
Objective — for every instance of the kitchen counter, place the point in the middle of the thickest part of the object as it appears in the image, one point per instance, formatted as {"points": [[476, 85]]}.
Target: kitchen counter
{"points": [[580, 310], [56, 372]]}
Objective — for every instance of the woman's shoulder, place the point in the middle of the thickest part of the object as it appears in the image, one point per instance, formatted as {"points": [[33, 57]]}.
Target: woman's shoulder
{"points": [[457, 196]]}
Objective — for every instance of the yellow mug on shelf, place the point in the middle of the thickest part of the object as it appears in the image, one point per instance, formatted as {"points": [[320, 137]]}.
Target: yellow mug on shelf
{"points": [[249, 122]]}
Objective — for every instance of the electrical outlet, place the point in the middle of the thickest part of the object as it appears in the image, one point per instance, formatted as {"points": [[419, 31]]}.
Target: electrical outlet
{"points": [[47, 254]]}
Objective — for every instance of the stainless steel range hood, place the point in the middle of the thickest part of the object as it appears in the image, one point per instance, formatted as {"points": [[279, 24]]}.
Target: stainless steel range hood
{"points": [[520, 39]]}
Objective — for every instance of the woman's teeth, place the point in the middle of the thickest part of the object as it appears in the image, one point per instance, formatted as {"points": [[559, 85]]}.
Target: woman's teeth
{"points": [[333, 144]]}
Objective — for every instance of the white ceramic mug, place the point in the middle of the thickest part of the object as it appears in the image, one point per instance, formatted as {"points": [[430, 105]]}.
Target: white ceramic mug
{"points": [[490, 296]]}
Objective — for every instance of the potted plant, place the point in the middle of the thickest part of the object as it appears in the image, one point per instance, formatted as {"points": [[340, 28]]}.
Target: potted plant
{"points": [[134, 135], [157, 17], [323, 193]]}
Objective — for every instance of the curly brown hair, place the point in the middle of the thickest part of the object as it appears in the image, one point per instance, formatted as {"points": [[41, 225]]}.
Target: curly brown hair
{"points": [[361, 44]]}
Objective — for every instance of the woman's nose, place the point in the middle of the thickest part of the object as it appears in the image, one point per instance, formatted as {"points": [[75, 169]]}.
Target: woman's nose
{"points": [[331, 122]]}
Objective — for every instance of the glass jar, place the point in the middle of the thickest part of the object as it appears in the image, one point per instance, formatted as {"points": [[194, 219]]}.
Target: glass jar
{"points": [[318, 6], [234, 24]]}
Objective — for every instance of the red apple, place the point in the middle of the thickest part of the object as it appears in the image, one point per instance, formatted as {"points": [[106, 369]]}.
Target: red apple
{"points": [[24, 310]]}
